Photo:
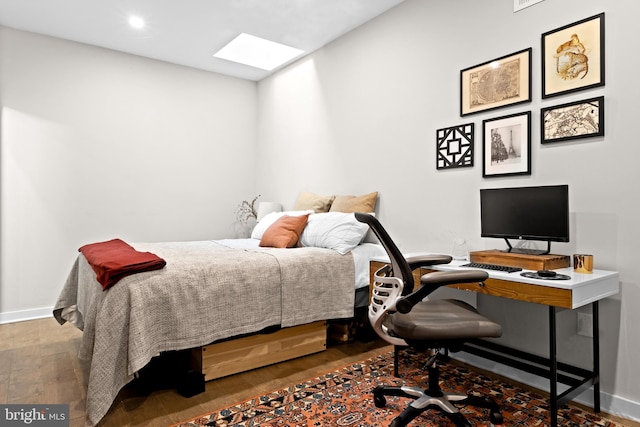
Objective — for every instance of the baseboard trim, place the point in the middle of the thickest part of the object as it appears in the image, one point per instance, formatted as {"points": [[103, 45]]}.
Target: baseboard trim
{"points": [[23, 315], [609, 403]]}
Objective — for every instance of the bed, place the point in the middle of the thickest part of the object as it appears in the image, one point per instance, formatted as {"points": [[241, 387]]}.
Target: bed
{"points": [[208, 292]]}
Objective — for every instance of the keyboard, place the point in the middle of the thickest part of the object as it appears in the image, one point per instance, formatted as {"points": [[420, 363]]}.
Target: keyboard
{"points": [[494, 267]]}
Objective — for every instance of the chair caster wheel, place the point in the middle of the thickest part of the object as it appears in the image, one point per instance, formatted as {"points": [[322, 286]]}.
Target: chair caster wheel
{"points": [[496, 418], [378, 396], [379, 401]]}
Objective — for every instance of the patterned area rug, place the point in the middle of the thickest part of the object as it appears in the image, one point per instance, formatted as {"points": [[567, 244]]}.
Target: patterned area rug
{"points": [[343, 398]]}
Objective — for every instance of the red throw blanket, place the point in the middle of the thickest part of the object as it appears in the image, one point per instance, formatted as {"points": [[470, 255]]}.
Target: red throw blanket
{"points": [[114, 259]]}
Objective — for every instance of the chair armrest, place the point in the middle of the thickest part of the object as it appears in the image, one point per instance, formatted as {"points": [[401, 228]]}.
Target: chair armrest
{"points": [[443, 278], [432, 281], [427, 260]]}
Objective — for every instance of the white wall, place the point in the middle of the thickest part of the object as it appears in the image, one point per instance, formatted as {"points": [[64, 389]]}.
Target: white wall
{"points": [[97, 144], [361, 115]]}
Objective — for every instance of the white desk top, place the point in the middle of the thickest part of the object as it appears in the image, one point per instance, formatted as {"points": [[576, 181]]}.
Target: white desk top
{"points": [[585, 288]]}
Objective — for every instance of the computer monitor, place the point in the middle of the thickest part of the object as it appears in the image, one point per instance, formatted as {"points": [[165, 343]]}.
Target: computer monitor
{"points": [[526, 213]]}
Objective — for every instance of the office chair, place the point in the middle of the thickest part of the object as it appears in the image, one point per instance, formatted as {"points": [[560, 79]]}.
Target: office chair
{"points": [[402, 317]]}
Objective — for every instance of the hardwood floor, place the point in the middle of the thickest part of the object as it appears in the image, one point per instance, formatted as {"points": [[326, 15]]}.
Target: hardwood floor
{"points": [[39, 364]]}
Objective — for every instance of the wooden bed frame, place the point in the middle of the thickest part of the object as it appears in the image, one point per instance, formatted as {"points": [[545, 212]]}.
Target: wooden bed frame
{"points": [[237, 355], [240, 354]]}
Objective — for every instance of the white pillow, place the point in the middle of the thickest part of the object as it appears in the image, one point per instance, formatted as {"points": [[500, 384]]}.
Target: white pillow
{"points": [[269, 219], [333, 230]]}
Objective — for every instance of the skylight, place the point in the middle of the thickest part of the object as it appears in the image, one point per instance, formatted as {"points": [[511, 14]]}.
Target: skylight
{"points": [[257, 52]]}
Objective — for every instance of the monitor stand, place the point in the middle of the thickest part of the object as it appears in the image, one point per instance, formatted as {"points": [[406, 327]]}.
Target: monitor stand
{"points": [[528, 262], [526, 251]]}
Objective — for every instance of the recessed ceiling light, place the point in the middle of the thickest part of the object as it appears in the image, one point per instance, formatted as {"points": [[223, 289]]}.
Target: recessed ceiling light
{"points": [[257, 52], [136, 22]]}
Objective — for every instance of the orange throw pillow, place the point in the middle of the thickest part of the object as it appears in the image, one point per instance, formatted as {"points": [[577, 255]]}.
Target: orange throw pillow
{"points": [[285, 232]]}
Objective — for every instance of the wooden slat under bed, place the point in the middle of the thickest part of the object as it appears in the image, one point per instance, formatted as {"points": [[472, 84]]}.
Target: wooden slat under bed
{"points": [[242, 354]]}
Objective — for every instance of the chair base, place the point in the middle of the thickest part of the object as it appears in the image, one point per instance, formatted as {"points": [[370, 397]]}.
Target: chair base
{"points": [[434, 398]]}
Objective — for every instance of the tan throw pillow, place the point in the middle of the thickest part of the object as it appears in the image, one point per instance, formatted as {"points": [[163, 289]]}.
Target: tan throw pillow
{"points": [[285, 232], [364, 204], [314, 202]]}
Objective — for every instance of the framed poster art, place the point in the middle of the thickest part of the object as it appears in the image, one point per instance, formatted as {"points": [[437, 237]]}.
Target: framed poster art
{"points": [[497, 83], [573, 57], [507, 145], [454, 147], [574, 120]]}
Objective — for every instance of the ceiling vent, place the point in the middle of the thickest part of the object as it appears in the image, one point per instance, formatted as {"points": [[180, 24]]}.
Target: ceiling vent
{"points": [[521, 4]]}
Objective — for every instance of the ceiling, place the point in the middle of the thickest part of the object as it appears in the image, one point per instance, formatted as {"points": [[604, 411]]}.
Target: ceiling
{"points": [[189, 32]]}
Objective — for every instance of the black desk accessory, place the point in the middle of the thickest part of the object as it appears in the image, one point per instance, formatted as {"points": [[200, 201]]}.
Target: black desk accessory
{"points": [[536, 275]]}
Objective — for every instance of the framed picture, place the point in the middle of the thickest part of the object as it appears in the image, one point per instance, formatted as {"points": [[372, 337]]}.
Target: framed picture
{"points": [[573, 57], [454, 147], [574, 120], [507, 145], [496, 83]]}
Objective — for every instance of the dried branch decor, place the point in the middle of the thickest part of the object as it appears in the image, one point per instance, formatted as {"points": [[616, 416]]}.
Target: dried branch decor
{"points": [[247, 211]]}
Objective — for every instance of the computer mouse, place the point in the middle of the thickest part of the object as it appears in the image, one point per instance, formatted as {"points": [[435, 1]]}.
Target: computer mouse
{"points": [[546, 273]]}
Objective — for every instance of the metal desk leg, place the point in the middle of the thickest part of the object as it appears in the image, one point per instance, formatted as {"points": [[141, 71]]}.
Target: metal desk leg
{"points": [[553, 369], [596, 356]]}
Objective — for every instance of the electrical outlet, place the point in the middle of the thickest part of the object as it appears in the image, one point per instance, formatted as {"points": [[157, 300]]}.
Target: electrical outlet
{"points": [[585, 325]]}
